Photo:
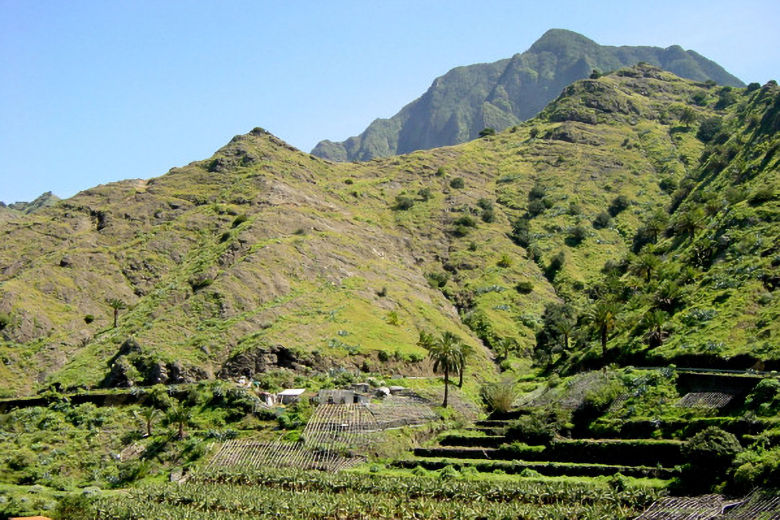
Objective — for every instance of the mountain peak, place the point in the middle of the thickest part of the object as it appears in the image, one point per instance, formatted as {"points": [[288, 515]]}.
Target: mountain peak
{"points": [[458, 105], [555, 39]]}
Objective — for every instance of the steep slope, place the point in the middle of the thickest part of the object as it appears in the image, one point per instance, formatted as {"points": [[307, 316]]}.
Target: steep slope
{"points": [[498, 95], [263, 257]]}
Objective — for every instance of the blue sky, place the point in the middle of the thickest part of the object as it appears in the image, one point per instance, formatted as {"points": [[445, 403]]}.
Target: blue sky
{"points": [[97, 91]]}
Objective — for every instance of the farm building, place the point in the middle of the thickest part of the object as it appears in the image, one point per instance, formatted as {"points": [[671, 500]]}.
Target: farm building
{"points": [[289, 395]]}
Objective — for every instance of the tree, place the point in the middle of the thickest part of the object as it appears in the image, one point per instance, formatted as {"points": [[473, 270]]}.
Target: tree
{"points": [[466, 351], [445, 352], [116, 305], [180, 415], [603, 316], [565, 326], [506, 345], [644, 265], [689, 222], [656, 333], [148, 415]]}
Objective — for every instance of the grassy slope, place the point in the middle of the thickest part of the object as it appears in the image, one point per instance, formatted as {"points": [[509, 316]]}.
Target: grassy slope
{"points": [[263, 245]]}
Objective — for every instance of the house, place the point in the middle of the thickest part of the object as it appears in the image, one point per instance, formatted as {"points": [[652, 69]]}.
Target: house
{"points": [[342, 397], [267, 398], [289, 395]]}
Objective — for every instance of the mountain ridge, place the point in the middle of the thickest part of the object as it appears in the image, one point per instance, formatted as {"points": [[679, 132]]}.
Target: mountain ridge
{"points": [[467, 99]]}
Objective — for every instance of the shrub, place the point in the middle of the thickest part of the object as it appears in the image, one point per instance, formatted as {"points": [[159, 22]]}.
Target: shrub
{"points": [[524, 287], [668, 184], [465, 220], [537, 192], [699, 99], [486, 132], [765, 397], [440, 171], [577, 234], [536, 207], [500, 396], [618, 204], [534, 132], [602, 220], [709, 128], [425, 194], [457, 183], [504, 261], [437, 280], [538, 427], [712, 448], [484, 203], [556, 262], [240, 219], [87, 319], [461, 231], [402, 203], [520, 234]]}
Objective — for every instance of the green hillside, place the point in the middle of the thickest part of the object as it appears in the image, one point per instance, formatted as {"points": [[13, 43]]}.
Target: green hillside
{"points": [[498, 95], [263, 257]]}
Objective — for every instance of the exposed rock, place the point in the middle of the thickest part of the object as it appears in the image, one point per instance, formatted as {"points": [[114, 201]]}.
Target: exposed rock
{"points": [[261, 359]]}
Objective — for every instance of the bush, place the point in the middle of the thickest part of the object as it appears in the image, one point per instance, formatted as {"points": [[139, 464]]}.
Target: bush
{"points": [[520, 234], [457, 183], [618, 204], [402, 203], [89, 318], [765, 398], [576, 235], [488, 215], [499, 397], [466, 221], [668, 184], [712, 448], [709, 128], [536, 207], [602, 220], [504, 261], [425, 194], [239, 220], [486, 132], [437, 280], [538, 427], [524, 287], [537, 192]]}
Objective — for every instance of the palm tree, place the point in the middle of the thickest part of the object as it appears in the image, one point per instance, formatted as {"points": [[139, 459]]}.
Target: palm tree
{"points": [[602, 316], [644, 265], [565, 327], [466, 351], [116, 304], [506, 345], [148, 415], [689, 222], [179, 415], [655, 321], [446, 354]]}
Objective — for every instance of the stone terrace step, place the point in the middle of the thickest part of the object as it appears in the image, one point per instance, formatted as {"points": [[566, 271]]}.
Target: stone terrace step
{"points": [[546, 468], [631, 452]]}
